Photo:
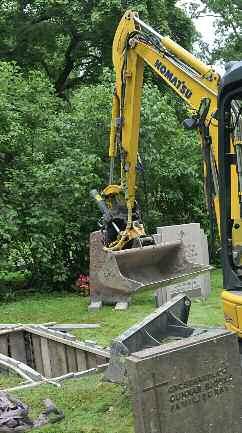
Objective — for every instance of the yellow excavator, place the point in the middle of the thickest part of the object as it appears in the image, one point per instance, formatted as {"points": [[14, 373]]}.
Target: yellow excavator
{"points": [[129, 255]]}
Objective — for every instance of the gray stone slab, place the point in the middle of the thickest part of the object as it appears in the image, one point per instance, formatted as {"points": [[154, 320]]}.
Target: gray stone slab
{"points": [[196, 250], [160, 296], [193, 385], [206, 280], [191, 288], [121, 306], [94, 306], [189, 234], [100, 291], [168, 321], [156, 238]]}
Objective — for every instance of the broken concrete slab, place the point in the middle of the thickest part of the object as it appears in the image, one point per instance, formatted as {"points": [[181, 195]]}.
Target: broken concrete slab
{"points": [[14, 415], [23, 370], [167, 322], [53, 325], [188, 386]]}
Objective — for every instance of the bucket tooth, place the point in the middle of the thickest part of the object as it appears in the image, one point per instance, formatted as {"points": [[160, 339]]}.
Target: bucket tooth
{"points": [[115, 275]]}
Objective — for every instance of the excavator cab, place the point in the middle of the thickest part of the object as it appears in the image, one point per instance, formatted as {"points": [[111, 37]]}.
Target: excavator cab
{"points": [[230, 185]]}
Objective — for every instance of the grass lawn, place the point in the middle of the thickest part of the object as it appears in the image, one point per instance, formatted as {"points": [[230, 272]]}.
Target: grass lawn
{"points": [[91, 405]]}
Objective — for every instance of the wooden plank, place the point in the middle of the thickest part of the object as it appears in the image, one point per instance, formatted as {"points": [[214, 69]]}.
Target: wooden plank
{"points": [[99, 369], [71, 360], [12, 329], [58, 379], [20, 368], [78, 345], [4, 345], [101, 360], [8, 326], [91, 360], [81, 360], [45, 357], [54, 333], [37, 354], [70, 326], [29, 349], [17, 346], [58, 359]]}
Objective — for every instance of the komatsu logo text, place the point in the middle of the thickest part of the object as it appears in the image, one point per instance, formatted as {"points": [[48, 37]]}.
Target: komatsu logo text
{"points": [[180, 85]]}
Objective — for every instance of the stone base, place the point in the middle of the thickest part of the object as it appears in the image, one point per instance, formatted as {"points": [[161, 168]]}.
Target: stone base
{"points": [[99, 293], [94, 306], [122, 305]]}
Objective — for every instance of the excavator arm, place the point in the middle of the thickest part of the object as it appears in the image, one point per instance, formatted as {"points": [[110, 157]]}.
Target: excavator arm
{"points": [[217, 115], [135, 45]]}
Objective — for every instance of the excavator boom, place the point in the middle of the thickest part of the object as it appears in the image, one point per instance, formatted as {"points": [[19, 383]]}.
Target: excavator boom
{"points": [[123, 259], [217, 116], [136, 44]]}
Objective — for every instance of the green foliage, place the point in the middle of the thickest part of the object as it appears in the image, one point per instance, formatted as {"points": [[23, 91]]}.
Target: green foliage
{"points": [[181, 28], [54, 153], [27, 106], [228, 42], [71, 40], [172, 163], [54, 216], [46, 214], [14, 280]]}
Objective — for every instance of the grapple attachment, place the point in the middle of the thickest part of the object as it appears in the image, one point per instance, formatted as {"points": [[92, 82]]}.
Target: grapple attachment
{"points": [[114, 276]]}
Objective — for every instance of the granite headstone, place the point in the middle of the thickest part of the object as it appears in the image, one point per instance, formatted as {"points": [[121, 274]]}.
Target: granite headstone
{"points": [[196, 250], [193, 385]]}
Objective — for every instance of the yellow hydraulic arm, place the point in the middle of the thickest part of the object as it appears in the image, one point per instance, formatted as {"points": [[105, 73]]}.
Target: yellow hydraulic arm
{"points": [[217, 115], [136, 44]]}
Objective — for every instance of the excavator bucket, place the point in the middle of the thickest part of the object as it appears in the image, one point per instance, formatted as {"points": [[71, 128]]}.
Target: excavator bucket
{"points": [[114, 276]]}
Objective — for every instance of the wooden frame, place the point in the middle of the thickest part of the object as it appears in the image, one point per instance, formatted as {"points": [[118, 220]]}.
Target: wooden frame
{"points": [[49, 354]]}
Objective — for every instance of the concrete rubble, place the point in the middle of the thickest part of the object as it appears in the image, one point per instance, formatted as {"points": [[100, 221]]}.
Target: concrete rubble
{"points": [[14, 415], [166, 323]]}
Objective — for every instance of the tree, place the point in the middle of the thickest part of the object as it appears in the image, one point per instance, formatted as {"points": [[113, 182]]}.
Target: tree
{"points": [[54, 150], [60, 154], [71, 40], [228, 42], [46, 214]]}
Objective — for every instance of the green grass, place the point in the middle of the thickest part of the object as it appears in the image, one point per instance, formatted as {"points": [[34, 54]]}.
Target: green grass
{"points": [[91, 405], [71, 308], [209, 312], [9, 379]]}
